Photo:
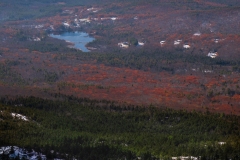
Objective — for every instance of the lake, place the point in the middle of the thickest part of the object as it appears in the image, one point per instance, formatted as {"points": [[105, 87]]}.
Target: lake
{"points": [[79, 39]]}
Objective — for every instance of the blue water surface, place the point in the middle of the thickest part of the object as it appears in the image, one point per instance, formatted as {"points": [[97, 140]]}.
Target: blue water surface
{"points": [[80, 39]]}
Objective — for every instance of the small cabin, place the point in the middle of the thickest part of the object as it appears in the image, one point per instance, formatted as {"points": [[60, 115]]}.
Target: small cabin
{"points": [[177, 42], [141, 43], [66, 24], [212, 54], [197, 34], [186, 46], [216, 40], [36, 39], [123, 44], [114, 18], [162, 42]]}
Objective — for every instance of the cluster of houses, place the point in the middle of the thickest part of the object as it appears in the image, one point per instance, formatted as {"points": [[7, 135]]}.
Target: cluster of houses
{"points": [[212, 54], [126, 44], [142, 43], [77, 22], [94, 10], [36, 39], [14, 152], [177, 42], [88, 20]]}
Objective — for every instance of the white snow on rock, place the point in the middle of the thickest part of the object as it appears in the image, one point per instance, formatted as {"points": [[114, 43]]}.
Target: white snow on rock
{"points": [[21, 152], [19, 116]]}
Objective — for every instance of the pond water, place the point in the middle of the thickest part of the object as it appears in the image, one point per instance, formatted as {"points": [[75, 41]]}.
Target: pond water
{"points": [[79, 39]]}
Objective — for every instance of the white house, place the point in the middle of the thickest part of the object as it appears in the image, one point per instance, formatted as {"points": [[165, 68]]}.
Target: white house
{"points": [[162, 42], [36, 39], [39, 26], [216, 40], [90, 9], [123, 44], [197, 34], [113, 18], [177, 42], [141, 43], [52, 27], [186, 46], [135, 18], [208, 71], [66, 24], [85, 20], [212, 54]]}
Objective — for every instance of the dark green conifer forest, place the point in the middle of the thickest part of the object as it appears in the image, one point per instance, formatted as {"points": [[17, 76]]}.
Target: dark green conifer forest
{"points": [[84, 129]]}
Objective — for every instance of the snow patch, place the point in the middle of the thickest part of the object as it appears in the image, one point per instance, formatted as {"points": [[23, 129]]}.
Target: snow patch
{"points": [[19, 116]]}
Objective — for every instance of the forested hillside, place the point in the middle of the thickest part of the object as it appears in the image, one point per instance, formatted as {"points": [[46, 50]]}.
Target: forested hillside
{"points": [[44, 8], [172, 90], [90, 129]]}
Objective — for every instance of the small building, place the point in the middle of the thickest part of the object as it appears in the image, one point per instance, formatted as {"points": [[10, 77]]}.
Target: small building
{"points": [[86, 20], [135, 18], [39, 26], [141, 43], [207, 71], [197, 34], [162, 43], [123, 44], [90, 9], [177, 42], [66, 24], [212, 54], [114, 18], [36, 39], [216, 40], [186, 46]]}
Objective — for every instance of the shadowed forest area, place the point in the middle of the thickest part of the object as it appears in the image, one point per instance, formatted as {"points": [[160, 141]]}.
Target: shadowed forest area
{"points": [[92, 131]]}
